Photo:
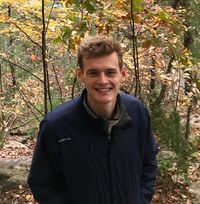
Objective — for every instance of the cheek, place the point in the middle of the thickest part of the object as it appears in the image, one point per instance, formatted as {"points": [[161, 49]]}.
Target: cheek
{"points": [[118, 81], [88, 83]]}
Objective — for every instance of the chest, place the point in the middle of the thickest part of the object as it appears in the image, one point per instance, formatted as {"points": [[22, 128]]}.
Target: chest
{"points": [[89, 148]]}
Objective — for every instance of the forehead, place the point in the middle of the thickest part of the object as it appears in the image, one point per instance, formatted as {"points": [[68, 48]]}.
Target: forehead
{"points": [[107, 61]]}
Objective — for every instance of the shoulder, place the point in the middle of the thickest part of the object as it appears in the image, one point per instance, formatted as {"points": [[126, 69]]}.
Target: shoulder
{"points": [[128, 97], [65, 110], [129, 100], [134, 107]]}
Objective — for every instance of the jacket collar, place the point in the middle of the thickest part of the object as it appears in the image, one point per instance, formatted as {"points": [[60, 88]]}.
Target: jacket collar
{"points": [[102, 123]]}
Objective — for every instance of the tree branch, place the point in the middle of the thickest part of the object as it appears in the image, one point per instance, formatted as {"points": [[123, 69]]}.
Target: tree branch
{"points": [[73, 87], [135, 54], [15, 64], [45, 65], [59, 86], [49, 16], [33, 41], [29, 104], [164, 86]]}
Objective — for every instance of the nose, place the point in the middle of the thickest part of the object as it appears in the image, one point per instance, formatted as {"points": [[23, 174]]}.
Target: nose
{"points": [[102, 79]]}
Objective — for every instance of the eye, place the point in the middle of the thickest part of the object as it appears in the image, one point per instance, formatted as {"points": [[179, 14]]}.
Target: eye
{"points": [[111, 72], [92, 73]]}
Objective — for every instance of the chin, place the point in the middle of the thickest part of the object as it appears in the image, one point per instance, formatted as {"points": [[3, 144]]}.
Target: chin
{"points": [[105, 100]]}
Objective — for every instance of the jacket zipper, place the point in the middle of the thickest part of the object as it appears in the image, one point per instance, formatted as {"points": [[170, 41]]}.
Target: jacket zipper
{"points": [[110, 172]]}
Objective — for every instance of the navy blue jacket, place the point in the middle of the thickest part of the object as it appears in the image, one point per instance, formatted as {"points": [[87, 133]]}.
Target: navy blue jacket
{"points": [[75, 162]]}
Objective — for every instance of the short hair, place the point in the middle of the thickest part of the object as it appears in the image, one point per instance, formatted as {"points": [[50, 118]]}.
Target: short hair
{"points": [[99, 46]]}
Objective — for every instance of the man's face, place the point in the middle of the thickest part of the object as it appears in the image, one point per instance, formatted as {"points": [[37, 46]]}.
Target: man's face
{"points": [[102, 77]]}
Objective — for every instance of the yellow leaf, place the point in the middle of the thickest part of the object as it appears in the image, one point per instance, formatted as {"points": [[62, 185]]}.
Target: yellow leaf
{"points": [[153, 32], [17, 110], [174, 40], [137, 19], [119, 4]]}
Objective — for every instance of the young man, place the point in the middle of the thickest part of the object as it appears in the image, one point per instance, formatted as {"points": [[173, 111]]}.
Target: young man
{"points": [[97, 148]]}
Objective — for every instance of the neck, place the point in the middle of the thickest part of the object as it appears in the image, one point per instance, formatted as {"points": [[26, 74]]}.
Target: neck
{"points": [[103, 110]]}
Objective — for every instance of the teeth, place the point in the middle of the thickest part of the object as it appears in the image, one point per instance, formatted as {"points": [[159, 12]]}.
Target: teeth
{"points": [[103, 89]]}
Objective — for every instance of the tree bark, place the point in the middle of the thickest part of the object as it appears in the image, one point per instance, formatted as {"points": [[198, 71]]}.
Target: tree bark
{"points": [[135, 56], [164, 86], [12, 70], [45, 67]]}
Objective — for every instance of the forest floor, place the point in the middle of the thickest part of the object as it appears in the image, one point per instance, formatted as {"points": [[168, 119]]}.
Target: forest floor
{"points": [[168, 191]]}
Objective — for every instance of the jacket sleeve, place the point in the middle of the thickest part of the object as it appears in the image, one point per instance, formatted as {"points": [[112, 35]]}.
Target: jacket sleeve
{"points": [[149, 166], [44, 176]]}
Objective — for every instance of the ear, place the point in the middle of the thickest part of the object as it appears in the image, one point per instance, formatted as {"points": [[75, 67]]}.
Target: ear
{"points": [[79, 74], [123, 74]]}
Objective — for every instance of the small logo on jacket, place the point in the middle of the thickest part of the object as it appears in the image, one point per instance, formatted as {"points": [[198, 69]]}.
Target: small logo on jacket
{"points": [[64, 139]]}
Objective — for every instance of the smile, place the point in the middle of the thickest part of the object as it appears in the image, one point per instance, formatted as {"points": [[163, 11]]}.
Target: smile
{"points": [[103, 89]]}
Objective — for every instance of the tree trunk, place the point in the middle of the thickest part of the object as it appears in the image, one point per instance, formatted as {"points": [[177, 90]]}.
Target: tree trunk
{"points": [[137, 91], [45, 65]]}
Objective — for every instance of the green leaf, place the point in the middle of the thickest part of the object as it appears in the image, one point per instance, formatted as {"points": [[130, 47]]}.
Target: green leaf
{"points": [[89, 7], [137, 5], [57, 40], [93, 31], [197, 82], [164, 16], [77, 2], [67, 33], [83, 26]]}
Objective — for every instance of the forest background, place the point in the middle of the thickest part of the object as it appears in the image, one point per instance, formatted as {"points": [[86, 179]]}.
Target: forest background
{"points": [[161, 45]]}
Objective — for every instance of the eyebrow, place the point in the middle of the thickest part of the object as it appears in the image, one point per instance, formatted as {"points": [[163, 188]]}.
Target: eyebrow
{"points": [[107, 69], [91, 70], [111, 69]]}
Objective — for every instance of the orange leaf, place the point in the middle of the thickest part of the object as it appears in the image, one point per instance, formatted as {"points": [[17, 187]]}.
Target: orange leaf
{"points": [[34, 57]]}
